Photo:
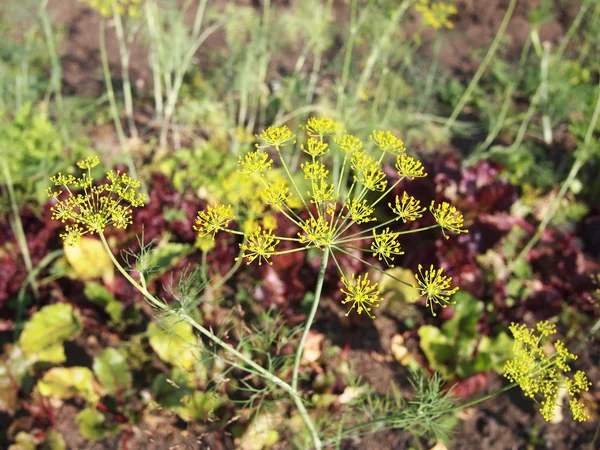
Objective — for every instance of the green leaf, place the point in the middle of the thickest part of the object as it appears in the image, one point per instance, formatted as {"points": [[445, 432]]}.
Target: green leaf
{"points": [[174, 342], [499, 349], [169, 391], [436, 347], [467, 313], [165, 256], [67, 382], [54, 441], [88, 259], [101, 296], [93, 424], [111, 370], [24, 441], [43, 335]]}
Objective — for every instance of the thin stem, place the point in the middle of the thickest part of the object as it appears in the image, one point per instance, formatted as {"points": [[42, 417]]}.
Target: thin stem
{"points": [[56, 76], [228, 348], [310, 319], [124, 55], [114, 112], [393, 419], [577, 165], [17, 227], [484, 64]]}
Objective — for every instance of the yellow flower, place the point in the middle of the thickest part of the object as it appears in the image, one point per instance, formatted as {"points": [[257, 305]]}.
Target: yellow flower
{"points": [[321, 126], [349, 144], [213, 219], [448, 218], [99, 206], [373, 178], [409, 167], [363, 295], [260, 245], [316, 232], [385, 246], [409, 208], [276, 194], [540, 367], [387, 142], [436, 14], [359, 210], [435, 287], [276, 136], [119, 7], [322, 192], [314, 171], [255, 163], [315, 147]]}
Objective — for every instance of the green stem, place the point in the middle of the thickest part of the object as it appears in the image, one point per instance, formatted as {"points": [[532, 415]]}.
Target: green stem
{"points": [[310, 319], [484, 64], [577, 165], [124, 56], [228, 348], [114, 111], [17, 227]]}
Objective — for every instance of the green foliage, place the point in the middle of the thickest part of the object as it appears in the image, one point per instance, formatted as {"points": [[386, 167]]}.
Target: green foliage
{"points": [[458, 349], [43, 335], [68, 382], [101, 296], [174, 342], [112, 371], [93, 424]]}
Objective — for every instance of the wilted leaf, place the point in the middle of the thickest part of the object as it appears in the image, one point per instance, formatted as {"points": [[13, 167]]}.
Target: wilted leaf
{"points": [[93, 424], [43, 335], [399, 350], [67, 382], [174, 342], [89, 259], [111, 370], [312, 347]]}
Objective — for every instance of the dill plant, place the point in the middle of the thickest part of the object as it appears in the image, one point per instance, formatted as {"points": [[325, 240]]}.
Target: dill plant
{"points": [[331, 220]]}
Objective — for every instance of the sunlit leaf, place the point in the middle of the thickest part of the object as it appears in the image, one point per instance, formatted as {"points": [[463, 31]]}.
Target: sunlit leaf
{"points": [[43, 335], [89, 259], [112, 371], [67, 382], [174, 342]]}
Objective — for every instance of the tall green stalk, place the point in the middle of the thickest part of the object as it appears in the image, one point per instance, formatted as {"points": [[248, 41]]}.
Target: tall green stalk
{"points": [[310, 318], [482, 67]]}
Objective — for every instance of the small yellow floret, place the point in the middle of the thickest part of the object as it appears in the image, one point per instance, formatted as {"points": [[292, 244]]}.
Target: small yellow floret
{"points": [[363, 295]]}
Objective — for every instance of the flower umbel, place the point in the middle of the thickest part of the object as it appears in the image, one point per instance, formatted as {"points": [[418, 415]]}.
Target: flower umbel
{"points": [[363, 295], [435, 287], [448, 218], [99, 206], [540, 367], [335, 202], [387, 142], [213, 219], [409, 208], [275, 136], [261, 245]]}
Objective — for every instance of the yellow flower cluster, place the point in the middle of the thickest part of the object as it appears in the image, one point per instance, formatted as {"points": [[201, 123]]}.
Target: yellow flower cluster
{"points": [[334, 204], [436, 14], [99, 206], [435, 287], [540, 367], [107, 8]]}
